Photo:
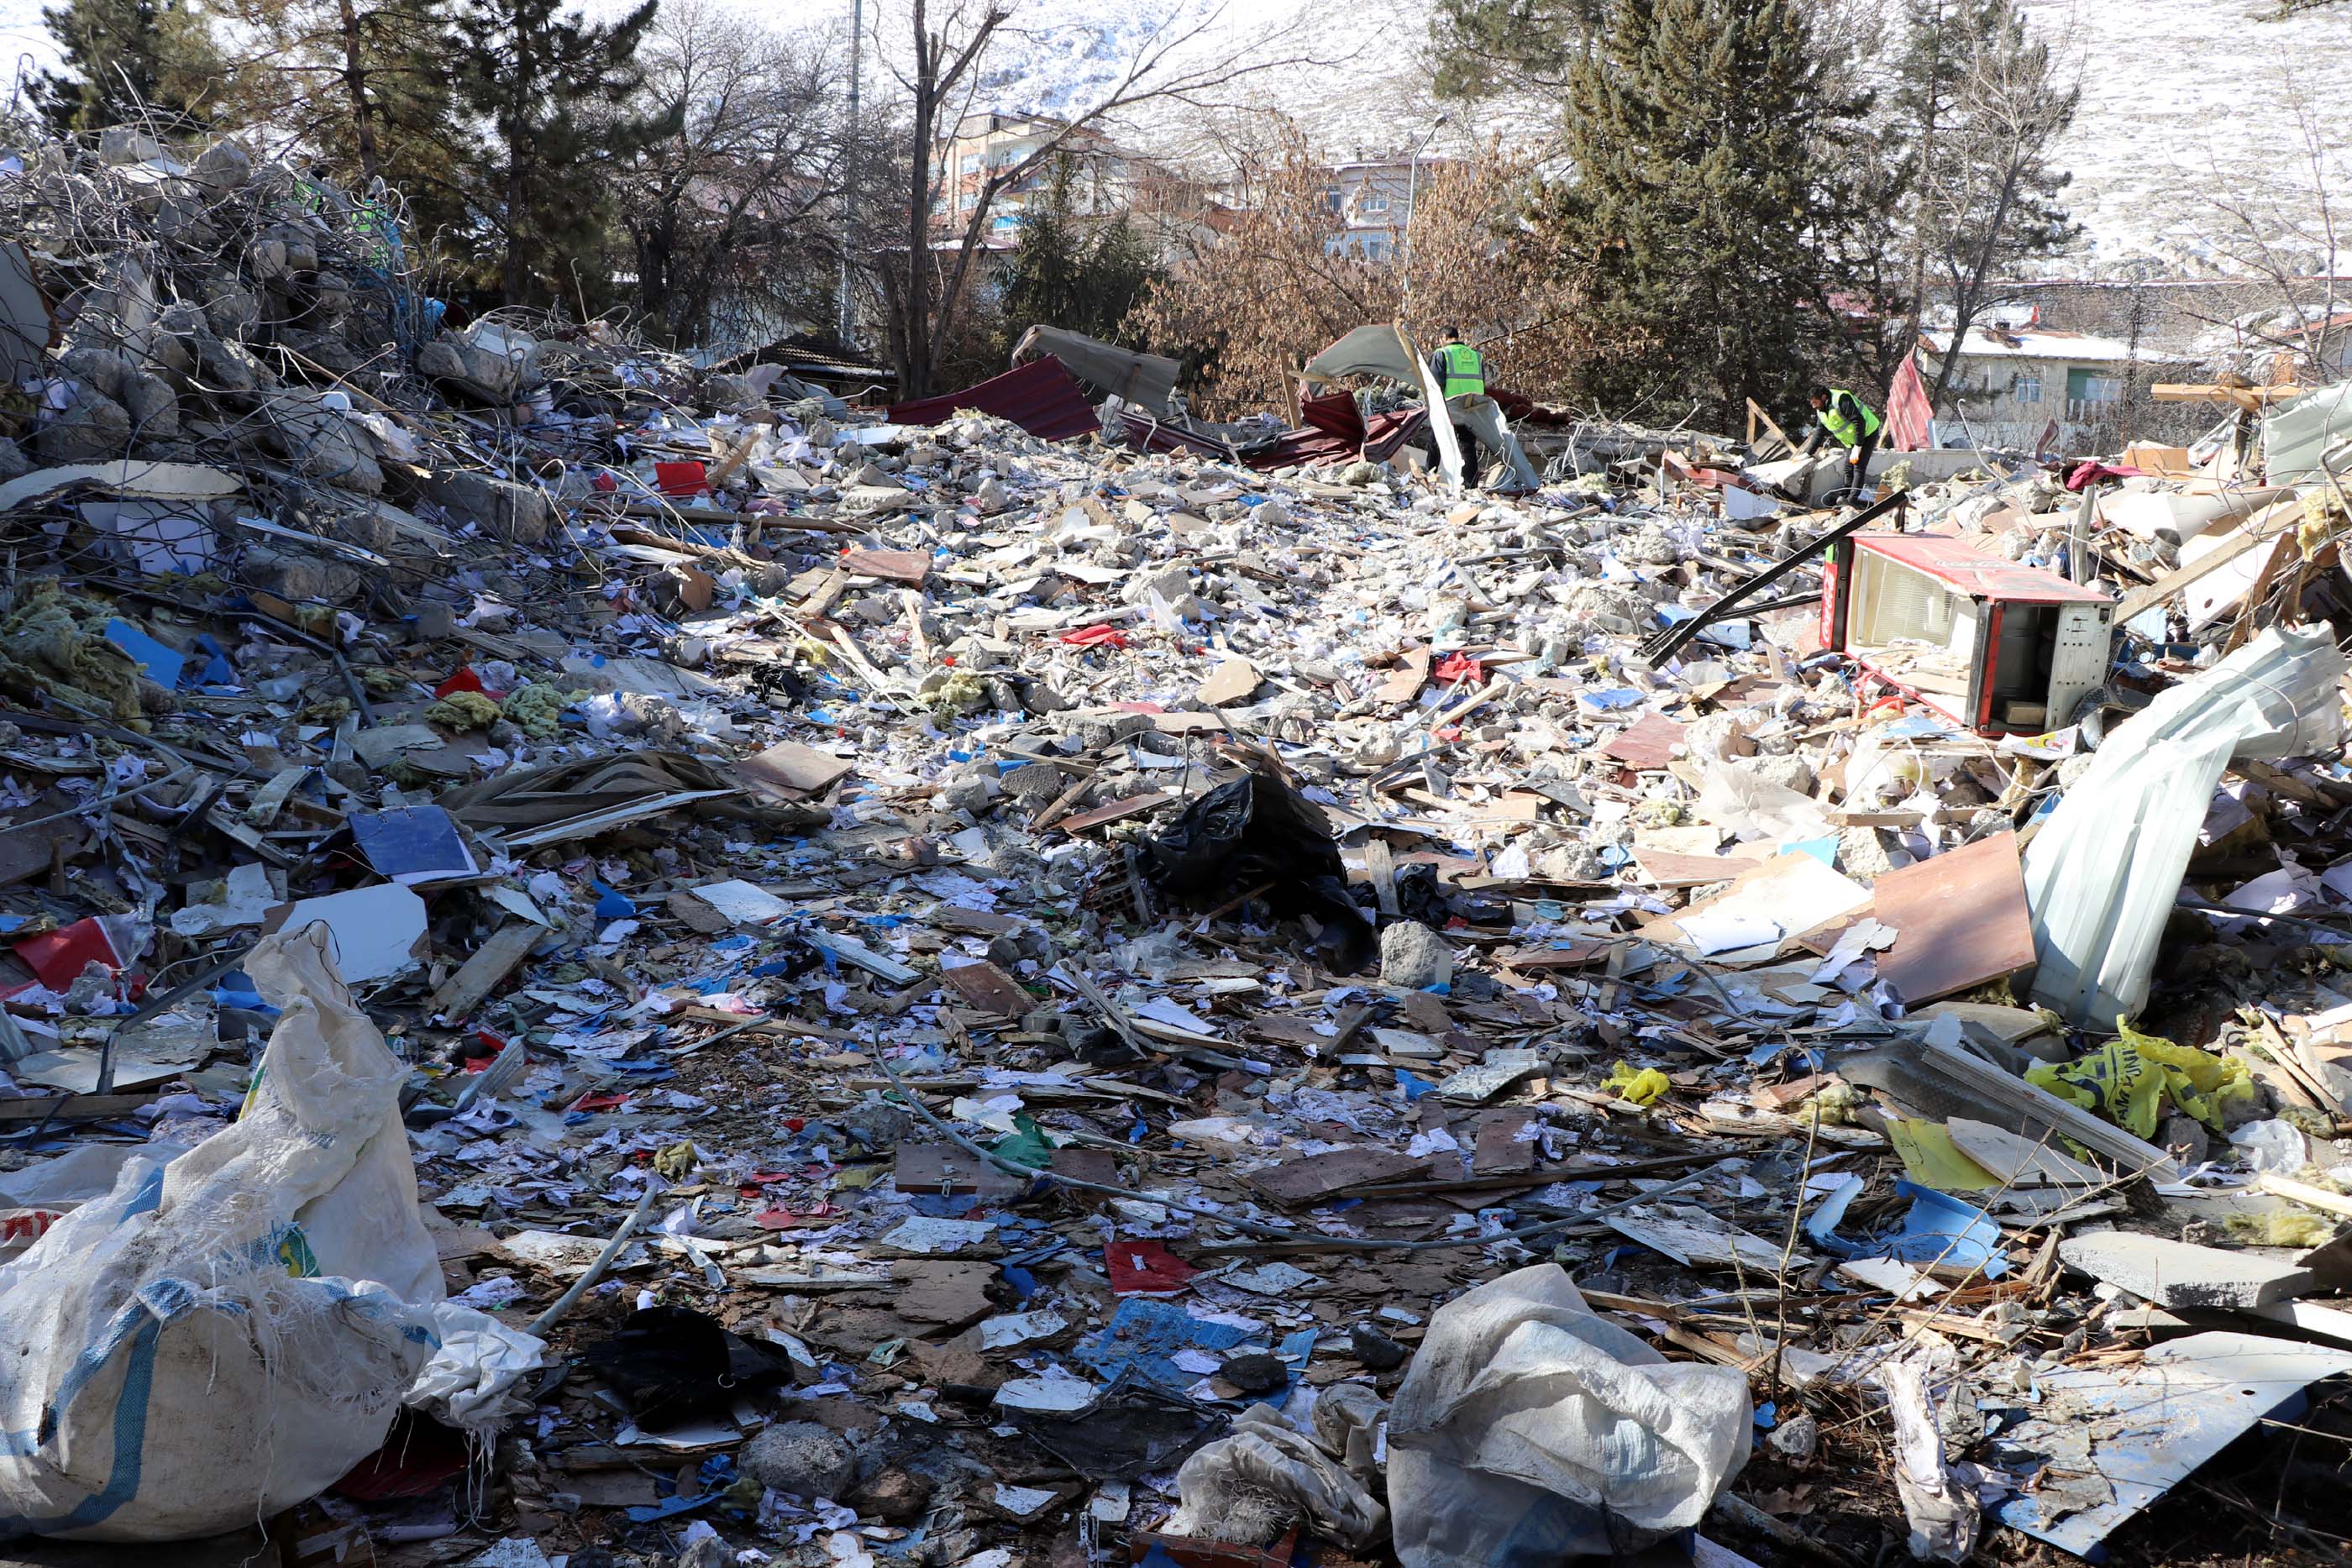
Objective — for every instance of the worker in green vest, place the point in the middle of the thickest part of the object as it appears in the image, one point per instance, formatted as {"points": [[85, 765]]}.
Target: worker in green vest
{"points": [[1845, 419], [1460, 374]]}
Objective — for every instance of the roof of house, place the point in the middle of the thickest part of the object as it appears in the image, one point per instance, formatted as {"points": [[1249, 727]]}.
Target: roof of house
{"points": [[2028, 343]]}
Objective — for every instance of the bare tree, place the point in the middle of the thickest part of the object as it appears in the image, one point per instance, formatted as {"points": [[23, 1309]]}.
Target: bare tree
{"points": [[732, 214], [1190, 57], [2292, 242], [1987, 186], [1247, 306]]}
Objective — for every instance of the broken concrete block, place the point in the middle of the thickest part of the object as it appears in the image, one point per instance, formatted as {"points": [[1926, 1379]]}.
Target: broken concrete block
{"points": [[516, 514], [2177, 1274], [1790, 772], [1170, 582], [317, 440], [490, 362], [301, 577], [154, 409], [233, 311], [1413, 958], [119, 145], [802, 1459], [95, 427], [224, 166], [226, 364]]}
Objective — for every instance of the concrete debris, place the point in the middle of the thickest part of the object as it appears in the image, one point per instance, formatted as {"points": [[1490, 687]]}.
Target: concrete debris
{"points": [[1061, 978]]}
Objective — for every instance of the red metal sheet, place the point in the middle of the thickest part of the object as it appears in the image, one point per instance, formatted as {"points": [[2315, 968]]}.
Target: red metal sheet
{"points": [[1042, 397], [1327, 437], [1951, 561]]}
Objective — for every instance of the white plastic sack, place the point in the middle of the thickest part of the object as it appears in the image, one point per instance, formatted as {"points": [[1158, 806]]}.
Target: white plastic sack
{"points": [[224, 1336], [1529, 1430], [1252, 1484], [472, 1379], [2101, 875]]}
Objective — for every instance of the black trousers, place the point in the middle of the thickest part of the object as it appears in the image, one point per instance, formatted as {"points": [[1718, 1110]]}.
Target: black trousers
{"points": [[1473, 455], [1858, 477]]}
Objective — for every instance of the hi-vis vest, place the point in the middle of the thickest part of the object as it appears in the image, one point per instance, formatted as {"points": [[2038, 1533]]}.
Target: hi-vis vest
{"points": [[1465, 373], [1840, 428]]}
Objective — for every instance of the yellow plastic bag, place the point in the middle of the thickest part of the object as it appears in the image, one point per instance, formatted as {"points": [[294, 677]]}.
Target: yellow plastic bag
{"points": [[2131, 1079], [1644, 1088]]}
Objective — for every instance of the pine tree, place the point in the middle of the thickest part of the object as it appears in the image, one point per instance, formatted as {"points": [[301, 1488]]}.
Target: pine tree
{"points": [[1486, 46], [1700, 198], [365, 84], [124, 60], [1070, 272], [557, 95]]}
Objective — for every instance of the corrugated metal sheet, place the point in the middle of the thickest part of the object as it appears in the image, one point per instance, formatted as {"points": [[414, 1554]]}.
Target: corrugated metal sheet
{"points": [[1334, 432], [1042, 397]]}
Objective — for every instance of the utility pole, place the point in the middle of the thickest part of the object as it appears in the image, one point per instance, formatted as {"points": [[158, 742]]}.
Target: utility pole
{"points": [[845, 323], [1411, 202]]}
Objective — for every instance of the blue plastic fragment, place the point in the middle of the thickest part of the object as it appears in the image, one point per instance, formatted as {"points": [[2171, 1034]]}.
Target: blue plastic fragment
{"points": [[157, 662]]}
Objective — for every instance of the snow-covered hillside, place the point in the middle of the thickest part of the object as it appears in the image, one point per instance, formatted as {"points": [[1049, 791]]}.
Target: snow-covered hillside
{"points": [[2187, 104]]}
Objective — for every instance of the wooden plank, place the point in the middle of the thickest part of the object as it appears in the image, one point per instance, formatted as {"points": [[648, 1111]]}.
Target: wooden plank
{"points": [[73, 1107], [1647, 744], [1498, 1149], [988, 989], [789, 771], [1317, 1179], [2208, 391], [2172, 582], [1404, 681], [483, 973], [908, 566], [2249, 606], [1113, 812]]}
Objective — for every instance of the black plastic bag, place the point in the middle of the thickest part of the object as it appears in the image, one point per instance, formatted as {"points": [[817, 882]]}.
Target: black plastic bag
{"points": [[1257, 831], [674, 1366]]}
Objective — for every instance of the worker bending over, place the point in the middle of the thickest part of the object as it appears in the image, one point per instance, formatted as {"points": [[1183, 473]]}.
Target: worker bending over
{"points": [[1850, 422], [1460, 372]]}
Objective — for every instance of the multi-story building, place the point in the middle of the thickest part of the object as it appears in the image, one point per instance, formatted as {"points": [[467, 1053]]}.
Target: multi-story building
{"points": [[1104, 178], [1371, 200], [2021, 385]]}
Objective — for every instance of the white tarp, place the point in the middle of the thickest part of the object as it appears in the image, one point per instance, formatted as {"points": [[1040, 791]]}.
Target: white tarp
{"points": [[2103, 873]]}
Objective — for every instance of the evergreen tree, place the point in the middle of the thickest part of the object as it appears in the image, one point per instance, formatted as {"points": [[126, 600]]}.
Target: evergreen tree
{"points": [[1068, 271], [366, 85], [1702, 200], [556, 94], [125, 60], [1486, 47]]}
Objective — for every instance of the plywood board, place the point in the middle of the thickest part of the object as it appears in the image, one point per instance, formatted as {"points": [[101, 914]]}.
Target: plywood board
{"points": [[1960, 920]]}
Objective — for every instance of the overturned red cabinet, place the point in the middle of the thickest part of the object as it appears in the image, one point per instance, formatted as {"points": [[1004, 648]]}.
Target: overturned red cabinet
{"points": [[1998, 647]]}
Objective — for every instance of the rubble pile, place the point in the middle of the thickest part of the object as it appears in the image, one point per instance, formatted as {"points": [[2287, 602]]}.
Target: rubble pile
{"points": [[615, 966]]}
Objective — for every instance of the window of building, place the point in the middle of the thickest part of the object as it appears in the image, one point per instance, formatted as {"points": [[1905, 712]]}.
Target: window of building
{"points": [[1376, 248], [2092, 386], [1374, 204], [972, 162], [2027, 387], [1331, 201]]}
